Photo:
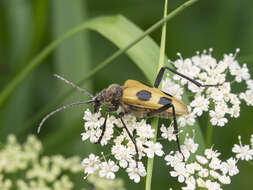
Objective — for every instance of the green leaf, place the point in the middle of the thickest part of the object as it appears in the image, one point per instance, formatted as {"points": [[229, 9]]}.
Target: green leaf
{"points": [[122, 32]]}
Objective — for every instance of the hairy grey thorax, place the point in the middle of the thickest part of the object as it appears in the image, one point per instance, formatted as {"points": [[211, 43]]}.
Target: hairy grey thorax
{"points": [[110, 96]]}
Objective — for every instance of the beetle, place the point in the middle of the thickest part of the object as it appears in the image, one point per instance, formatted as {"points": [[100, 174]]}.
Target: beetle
{"points": [[137, 99]]}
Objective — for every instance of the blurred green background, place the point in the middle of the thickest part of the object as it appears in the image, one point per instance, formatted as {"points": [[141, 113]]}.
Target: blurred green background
{"points": [[27, 26]]}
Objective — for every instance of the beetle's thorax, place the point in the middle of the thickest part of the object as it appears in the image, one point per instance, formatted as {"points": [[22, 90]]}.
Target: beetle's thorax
{"points": [[109, 96]]}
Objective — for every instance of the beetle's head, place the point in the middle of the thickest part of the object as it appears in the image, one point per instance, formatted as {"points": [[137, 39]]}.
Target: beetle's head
{"points": [[109, 96]]}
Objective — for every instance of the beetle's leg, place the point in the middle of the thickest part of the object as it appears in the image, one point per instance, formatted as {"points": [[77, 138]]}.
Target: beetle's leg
{"points": [[162, 109], [110, 109], [131, 137], [103, 129], [161, 72], [159, 110], [176, 130]]}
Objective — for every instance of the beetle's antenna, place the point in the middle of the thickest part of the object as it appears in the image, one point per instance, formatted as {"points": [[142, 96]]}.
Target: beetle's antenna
{"points": [[59, 109], [73, 85]]}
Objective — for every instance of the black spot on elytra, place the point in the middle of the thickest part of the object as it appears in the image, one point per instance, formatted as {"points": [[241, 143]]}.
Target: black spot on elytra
{"points": [[143, 95], [164, 101]]}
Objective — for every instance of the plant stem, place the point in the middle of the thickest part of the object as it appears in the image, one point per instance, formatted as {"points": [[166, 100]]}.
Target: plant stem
{"points": [[154, 121], [209, 129], [209, 133], [163, 40], [154, 125]]}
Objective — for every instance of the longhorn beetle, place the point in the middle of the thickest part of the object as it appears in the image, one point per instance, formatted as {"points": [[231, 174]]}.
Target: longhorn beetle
{"points": [[137, 99]]}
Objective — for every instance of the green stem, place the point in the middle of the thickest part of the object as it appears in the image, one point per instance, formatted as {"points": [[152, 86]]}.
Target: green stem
{"points": [[209, 133], [41, 56], [154, 121], [163, 40], [154, 125], [209, 129]]}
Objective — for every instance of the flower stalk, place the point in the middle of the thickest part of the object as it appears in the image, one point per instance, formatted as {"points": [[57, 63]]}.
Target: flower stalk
{"points": [[209, 133], [154, 122]]}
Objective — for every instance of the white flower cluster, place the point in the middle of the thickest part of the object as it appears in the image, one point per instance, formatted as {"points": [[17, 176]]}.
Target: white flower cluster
{"points": [[220, 101], [33, 171], [206, 171], [122, 148]]}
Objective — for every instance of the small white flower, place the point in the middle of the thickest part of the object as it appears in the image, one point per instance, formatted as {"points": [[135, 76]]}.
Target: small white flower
{"points": [[135, 173], [153, 148], [173, 160], [201, 159], [119, 139], [180, 172], [217, 118], [224, 179], [172, 88], [215, 164], [190, 145], [122, 154], [209, 153], [191, 183], [229, 167], [235, 111], [212, 185], [145, 130], [203, 172], [234, 99], [216, 94], [91, 164], [243, 152], [108, 169], [201, 182], [248, 97], [200, 104], [93, 120], [92, 134], [240, 73], [168, 133], [249, 84], [192, 167], [187, 119], [214, 174]]}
